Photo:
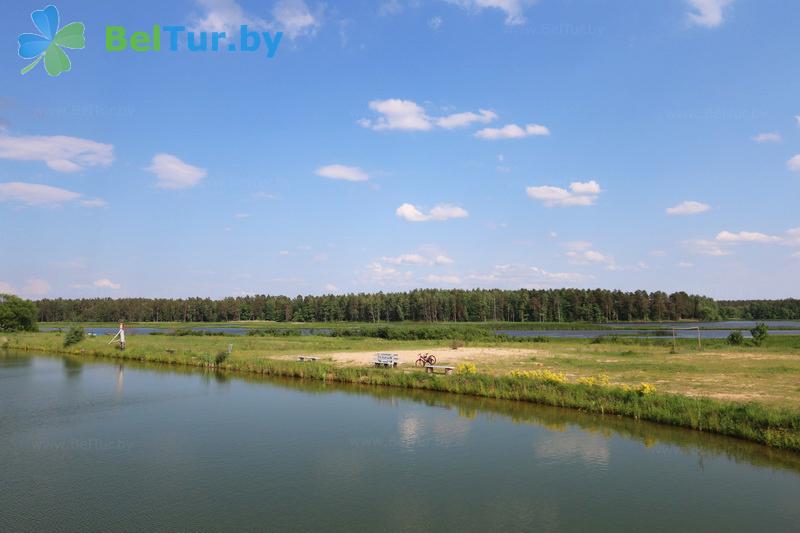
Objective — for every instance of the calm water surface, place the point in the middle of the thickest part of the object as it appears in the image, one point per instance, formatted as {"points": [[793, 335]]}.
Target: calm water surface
{"points": [[97, 446]]}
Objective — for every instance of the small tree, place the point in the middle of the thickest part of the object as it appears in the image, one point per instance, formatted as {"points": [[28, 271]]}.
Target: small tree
{"points": [[736, 338], [17, 314], [759, 333], [74, 335]]}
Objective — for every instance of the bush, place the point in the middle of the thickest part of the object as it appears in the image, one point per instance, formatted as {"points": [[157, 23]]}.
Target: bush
{"points": [[759, 333], [74, 335], [17, 314], [220, 358], [645, 389], [466, 368], [455, 344], [736, 338]]}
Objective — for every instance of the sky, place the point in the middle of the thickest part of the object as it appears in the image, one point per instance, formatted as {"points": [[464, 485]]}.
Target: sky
{"points": [[400, 144]]}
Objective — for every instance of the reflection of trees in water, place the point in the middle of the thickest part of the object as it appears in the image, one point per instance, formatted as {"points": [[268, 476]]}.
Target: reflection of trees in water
{"points": [[72, 366], [470, 407]]}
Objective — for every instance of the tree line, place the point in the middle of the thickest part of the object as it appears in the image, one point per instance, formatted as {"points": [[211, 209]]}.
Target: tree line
{"points": [[424, 305]]}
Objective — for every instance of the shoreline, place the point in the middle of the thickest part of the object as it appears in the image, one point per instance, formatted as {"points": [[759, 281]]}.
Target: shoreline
{"points": [[774, 427]]}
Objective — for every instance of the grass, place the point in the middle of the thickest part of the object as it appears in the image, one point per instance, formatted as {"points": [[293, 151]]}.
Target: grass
{"points": [[747, 392]]}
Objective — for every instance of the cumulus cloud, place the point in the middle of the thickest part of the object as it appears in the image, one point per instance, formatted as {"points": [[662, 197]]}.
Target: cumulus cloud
{"points": [[794, 163], [59, 152], [589, 256], [36, 287], [707, 13], [435, 23], [462, 120], [579, 194], [512, 131], [746, 236], [105, 283], [689, 207], [342, 172], [398, 114], [441, 212], [685, 264], [513, 9], [771, 137], [172, 173], [38, 195], [797, 119]]}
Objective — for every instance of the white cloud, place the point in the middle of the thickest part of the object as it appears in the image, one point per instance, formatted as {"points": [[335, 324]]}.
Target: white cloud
{"points": [[512, 131], [242, 216], [746, 236], [418, 259], [513, 9], [771, 137], [105, 283], [397, 115], [382, 274], [707, 13], [689, 207], [448, 279], [342, 172], [685, 264], [462, 120], [292, 17], [581, 254], [797, 119], [390, 7], [59, 152], [707, 247], [435, 23], [796, 255], [283, 253], [32, 288], [330, 287], [37, 195], [794, 163], [516, 275], [173, 173], [441, 212], [579, 194], [295, 19]]}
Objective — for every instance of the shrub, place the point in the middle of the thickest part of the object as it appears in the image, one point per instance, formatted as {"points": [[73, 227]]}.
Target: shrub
{"points": [[220, 358], [74, 335], [455, 344], [646, 388], [759, 333], [735, 338], [466, 368], [17, 314], [545, 375]]}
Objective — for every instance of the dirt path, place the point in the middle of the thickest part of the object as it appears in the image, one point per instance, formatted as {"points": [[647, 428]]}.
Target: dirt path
{"points": [[443, 356]]}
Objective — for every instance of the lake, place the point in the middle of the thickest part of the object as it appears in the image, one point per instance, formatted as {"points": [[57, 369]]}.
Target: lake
{"points": [[92, 444]]}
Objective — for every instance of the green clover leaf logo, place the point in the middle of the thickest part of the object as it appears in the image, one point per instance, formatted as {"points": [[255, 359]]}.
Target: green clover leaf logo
{"points": [[50, 43]]}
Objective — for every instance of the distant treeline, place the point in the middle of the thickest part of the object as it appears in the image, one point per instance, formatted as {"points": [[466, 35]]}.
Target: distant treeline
{"points": [[428, 305]]}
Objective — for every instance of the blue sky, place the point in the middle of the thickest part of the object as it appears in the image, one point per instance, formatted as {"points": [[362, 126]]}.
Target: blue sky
{"points": [[408, 143]]}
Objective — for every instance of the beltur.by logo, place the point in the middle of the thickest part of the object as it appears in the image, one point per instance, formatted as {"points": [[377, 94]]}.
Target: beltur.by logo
{"points": [[119, 39], [50, 42]]}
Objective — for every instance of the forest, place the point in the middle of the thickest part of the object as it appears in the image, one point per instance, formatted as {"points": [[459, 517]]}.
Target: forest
{"points": [[424, 305]]}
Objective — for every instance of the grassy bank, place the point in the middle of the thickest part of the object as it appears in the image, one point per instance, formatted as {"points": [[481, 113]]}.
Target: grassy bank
{"points": [[769, 424]]}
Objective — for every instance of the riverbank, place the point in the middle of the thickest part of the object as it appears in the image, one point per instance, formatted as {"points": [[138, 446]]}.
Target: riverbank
{"points": [[521, 374]]}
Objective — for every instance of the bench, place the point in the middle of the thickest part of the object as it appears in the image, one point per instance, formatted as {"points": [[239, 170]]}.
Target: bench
{"points": [[446, 370], [307, 358], [386, 360]]}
